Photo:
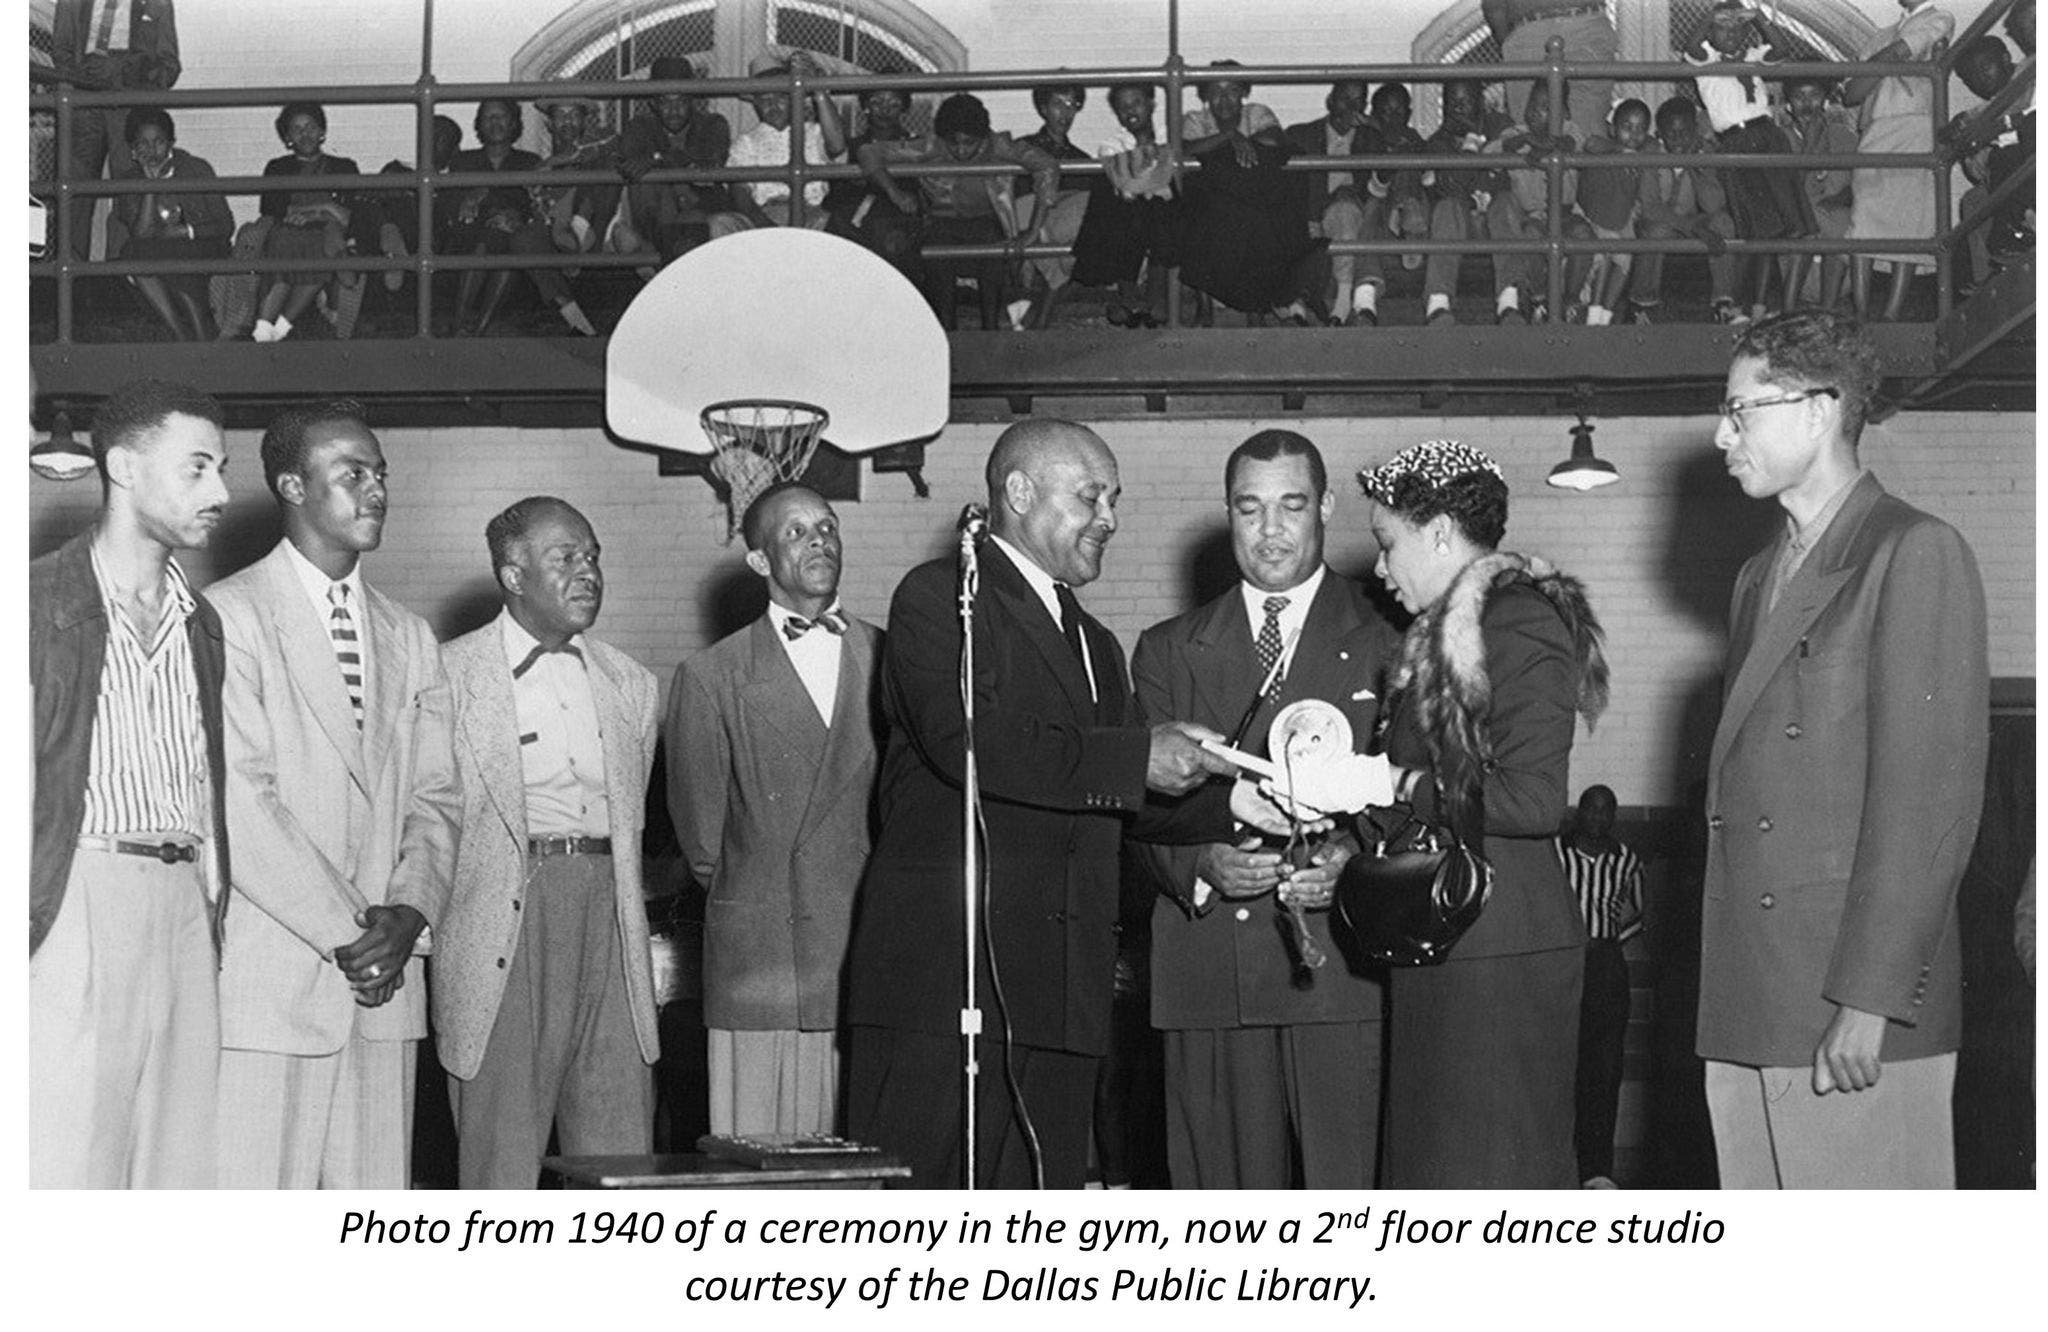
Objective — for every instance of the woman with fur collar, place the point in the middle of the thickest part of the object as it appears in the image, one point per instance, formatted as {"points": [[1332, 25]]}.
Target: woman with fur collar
{"points": [[1503, 655]]}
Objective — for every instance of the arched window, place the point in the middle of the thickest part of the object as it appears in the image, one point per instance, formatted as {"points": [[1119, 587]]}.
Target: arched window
{"points": [[611, 39], [1648, 29]]}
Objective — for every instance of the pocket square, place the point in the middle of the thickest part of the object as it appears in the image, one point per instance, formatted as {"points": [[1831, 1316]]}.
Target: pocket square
{"points": [[1362, 694]]}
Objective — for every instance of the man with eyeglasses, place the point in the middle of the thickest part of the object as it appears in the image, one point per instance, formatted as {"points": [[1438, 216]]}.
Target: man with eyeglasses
{"points": [[1843, 792]]}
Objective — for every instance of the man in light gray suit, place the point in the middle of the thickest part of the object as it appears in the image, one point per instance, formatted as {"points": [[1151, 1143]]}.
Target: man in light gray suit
{"points": [[342, 808], [771, 767], [543, 993]]}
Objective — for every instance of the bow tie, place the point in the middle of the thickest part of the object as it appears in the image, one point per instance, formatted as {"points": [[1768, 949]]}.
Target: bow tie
{"points": [[796, 626], [541, 650]]}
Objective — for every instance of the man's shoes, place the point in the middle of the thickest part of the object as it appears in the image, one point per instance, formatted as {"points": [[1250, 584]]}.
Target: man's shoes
{"points": [[1442, 318], [1363, 318], [1728, 312], [1599, 1182], [1638, 314], [1512, 315]]}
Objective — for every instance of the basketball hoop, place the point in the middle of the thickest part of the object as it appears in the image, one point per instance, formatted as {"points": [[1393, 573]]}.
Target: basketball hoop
{"points": [[756, 442]]}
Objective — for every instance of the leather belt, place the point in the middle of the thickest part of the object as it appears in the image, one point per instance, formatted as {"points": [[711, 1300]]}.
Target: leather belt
{"points": [[568, 846], [169, 851], [1562, 11]]}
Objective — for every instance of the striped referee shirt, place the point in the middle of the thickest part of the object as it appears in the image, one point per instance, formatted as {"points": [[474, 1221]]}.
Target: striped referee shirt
{"points": [[1609, 887], [148, 768]]}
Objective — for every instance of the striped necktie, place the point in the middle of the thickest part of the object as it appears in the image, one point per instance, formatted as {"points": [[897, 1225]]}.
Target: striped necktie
{"points": [[348, 648]]}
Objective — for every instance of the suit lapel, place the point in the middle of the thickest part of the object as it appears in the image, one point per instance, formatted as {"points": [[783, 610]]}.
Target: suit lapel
{"points": [[1778, 631], [621, 737], [490, 727], [775, 693], [1040, 628], [835, 773], [1323, 667], [385, 703], [1223, 663], [308, 653]]}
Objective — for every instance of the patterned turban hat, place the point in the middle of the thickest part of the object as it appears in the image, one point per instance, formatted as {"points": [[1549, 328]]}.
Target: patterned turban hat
{"points": [[1438, 462]]}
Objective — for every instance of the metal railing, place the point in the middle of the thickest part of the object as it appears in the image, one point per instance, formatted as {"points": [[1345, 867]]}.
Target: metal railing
{"points": [[1174, 77]]}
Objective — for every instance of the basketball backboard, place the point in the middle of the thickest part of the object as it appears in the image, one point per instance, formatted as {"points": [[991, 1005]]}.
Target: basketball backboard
{"points": [[784, 313]]}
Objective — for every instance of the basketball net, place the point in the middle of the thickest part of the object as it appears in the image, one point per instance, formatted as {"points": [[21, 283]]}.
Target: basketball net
{"points": [[756, 442]]}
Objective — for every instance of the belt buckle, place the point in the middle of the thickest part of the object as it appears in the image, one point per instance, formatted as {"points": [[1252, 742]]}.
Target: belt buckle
{"points": [[172, 853]]}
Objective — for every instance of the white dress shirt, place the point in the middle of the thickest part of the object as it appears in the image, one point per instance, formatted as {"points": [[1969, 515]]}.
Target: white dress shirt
{"points": [[1291, 619], [316, 584], [1043, 584], [815, 654], [561, 750]]}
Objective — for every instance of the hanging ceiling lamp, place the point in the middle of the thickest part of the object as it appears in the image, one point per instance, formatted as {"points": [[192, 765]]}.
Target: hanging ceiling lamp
{"points": [[58, 455], [1584, 470]]}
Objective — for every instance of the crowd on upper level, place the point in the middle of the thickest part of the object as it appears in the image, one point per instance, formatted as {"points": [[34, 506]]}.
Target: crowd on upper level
{"points": [[1243, 231]]}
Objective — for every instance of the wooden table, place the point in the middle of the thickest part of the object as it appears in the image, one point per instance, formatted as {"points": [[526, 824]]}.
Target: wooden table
{"points": [[693, 1170]]}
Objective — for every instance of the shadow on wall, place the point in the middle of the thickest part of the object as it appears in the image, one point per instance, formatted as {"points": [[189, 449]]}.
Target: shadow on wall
{"points": [[1710, 528], [736, 598]]}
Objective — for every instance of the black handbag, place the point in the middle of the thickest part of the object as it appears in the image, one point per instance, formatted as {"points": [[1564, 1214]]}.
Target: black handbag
{"points": [[1409, 895]]}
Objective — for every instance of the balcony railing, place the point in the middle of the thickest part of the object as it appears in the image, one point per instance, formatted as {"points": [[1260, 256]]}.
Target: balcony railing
{"points": [[1174, 77]]}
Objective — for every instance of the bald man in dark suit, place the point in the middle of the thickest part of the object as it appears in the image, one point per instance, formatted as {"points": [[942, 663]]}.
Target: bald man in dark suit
{"points": [[1063, 767]]}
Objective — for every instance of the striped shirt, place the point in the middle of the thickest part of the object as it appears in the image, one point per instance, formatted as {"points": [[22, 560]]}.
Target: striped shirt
{"points": [[1609, 887], [148, 769]]}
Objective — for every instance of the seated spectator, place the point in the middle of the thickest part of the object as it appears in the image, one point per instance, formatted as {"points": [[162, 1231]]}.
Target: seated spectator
{"points": [[765, 203], [308, 223], [579, 140], [1985, 67], [1130, 230], [1608, 199], [1245, 242], [1458, 198], [1892, 203], [955, 210], [169, 226], [1767, 203], [883, 113], [1682, 202], [1814, 127], [1342, 205], [502, 219], [1522, 210], [388, 221], [673, 131], [1407, 202], [1057, 107]]}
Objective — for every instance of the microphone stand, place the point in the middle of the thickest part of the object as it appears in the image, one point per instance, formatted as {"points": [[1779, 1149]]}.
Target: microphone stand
{"points": [[970, 805]]}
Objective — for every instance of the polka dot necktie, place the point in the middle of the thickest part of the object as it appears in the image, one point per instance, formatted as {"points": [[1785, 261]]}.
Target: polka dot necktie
{"points": [[1269, 642]]}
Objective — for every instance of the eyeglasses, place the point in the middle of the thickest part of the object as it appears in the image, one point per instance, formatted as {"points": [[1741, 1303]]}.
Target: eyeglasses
{"points": [[1733, 408]]}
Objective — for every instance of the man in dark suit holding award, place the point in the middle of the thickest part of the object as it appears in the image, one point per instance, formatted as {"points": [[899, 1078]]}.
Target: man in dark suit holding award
{"points": [[1843, 792], [1272, 1067], [1062, 764]]}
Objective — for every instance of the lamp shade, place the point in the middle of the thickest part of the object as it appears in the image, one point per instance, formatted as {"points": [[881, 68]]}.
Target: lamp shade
{"points": [[1583, 470], [58, 455]]}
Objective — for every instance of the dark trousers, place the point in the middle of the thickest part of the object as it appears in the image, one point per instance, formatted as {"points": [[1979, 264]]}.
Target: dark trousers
{"points": [[903, 1094], [1603, 1025], [1274, 1107]]}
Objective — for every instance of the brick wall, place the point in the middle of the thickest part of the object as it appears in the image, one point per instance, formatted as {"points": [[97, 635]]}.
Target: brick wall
{"points": [[1657, 552]]}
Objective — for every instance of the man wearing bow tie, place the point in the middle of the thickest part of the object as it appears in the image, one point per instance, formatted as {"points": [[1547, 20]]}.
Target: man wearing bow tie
{"points": [[771, 766], [342, 806], [543, 993]]}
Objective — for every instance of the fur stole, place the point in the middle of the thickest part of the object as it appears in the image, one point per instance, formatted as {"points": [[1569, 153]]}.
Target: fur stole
{"points": [[1443, 661]]}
